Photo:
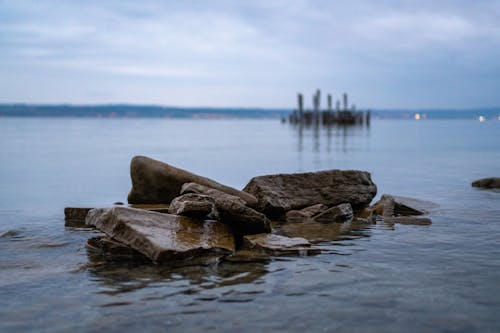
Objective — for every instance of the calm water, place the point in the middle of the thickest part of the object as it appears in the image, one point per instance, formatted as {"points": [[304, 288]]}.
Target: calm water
{"points": [[442, 278]]}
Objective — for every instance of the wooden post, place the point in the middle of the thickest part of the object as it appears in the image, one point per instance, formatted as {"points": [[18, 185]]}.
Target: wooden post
{"points": [[345, 102], [301, 106]]}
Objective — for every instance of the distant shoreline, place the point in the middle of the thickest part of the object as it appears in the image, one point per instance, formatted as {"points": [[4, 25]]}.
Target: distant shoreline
{"points": [[153, 111]]}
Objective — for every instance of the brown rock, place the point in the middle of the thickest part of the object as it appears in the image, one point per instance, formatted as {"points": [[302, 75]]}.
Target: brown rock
{"points": [[408, 220], [392, 205], [157, 182], [277, 194], [339, 213], [159, 208], [278, 245], [488, 183], [110, 249], [297, 216], [232, 210], [75, 216], [193, 205], [162, 237]]}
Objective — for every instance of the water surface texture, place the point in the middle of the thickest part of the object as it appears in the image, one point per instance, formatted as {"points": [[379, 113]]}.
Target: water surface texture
{"points": [[374, 278]]}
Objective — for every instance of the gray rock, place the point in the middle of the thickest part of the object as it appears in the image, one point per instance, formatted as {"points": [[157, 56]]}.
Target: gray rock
{"points": [[75, 216], [232, 210], [107, 248], [157, 182], [489, 183], [297, 216], [193, 205], [162, 237], [408, 220], [339, 213], [278, 245], [277, 194], [392, 205]]}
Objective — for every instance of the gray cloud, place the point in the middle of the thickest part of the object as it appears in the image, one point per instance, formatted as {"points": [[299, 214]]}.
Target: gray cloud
{"points": [[259, 53]]}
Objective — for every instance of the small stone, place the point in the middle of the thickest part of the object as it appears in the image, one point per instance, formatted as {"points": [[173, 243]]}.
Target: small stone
{"points": [[75, 216], [339, 213], [118, 203], [408, 220], [278, 245], [295, 216], [193, 205], [392, 205]]}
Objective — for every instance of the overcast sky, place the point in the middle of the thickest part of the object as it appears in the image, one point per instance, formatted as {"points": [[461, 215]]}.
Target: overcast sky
{"points": [[385, 54]]}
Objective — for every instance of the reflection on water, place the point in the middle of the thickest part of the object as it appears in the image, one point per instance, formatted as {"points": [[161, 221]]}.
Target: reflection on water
{"points": [[328, 137]]}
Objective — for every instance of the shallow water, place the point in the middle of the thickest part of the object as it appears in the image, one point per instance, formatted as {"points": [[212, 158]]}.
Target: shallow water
{"points": [[442, 277]]}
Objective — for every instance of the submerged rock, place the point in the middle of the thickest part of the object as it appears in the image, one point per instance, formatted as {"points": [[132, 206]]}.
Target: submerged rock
{"points": [[110, 249], [392, 205], [162, 237], [339, 213], [232, 210], [408, 220], [277, 194], [157, 182], [159, 208], [294, 216], [489, 183], [193, 205], [278, 245]]}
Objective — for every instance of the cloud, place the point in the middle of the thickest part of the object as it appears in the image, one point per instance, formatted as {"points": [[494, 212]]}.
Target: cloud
{"points": [[246, 48]]}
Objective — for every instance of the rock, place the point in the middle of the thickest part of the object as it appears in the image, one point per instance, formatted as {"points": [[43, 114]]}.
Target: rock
{"points": [[295, 216], [232, 210], [489, 183], [110, 249], [278, 245], [339, 213], [193, 205], [162, 237], [277, 194], [157, 182], [75, 216], [159, 208], [408, 220], [392, 205]]}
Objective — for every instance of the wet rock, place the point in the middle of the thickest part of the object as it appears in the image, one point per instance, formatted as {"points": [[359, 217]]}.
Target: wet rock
{"points": [[277, 194], [392, 205], [162, 237], [233, 211], [75, 216], [297, 216], [157, 182], [488, 183], [247, 256], [112, 250], [159, 208], [278, 245], [316, 232], [408, 220], [193, 205], [339, 213]]}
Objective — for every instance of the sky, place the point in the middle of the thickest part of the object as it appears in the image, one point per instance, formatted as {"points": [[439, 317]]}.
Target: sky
{"points": [[258, 53]]}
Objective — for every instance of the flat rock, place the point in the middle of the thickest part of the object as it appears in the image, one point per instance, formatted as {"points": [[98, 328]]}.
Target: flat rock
{"points": [[162, 237], [277, 194], [232, 210], [316, 232], [107, 248], [278, 245], [193, 205], [408, 220], [157, 182], [294, 216], [339, 213], [489, 183], [392, 205], [159, 208], [75, 216]]}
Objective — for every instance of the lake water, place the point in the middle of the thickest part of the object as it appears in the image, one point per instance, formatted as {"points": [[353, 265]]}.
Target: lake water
{"points": [[377, 278]]}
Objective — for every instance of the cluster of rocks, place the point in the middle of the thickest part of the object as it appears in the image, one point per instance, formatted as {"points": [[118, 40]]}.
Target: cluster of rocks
{"points": [[175, 214]]}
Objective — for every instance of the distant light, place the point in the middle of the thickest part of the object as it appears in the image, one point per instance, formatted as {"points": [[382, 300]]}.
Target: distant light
{"points": [[481, 118], [417, 116]]}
